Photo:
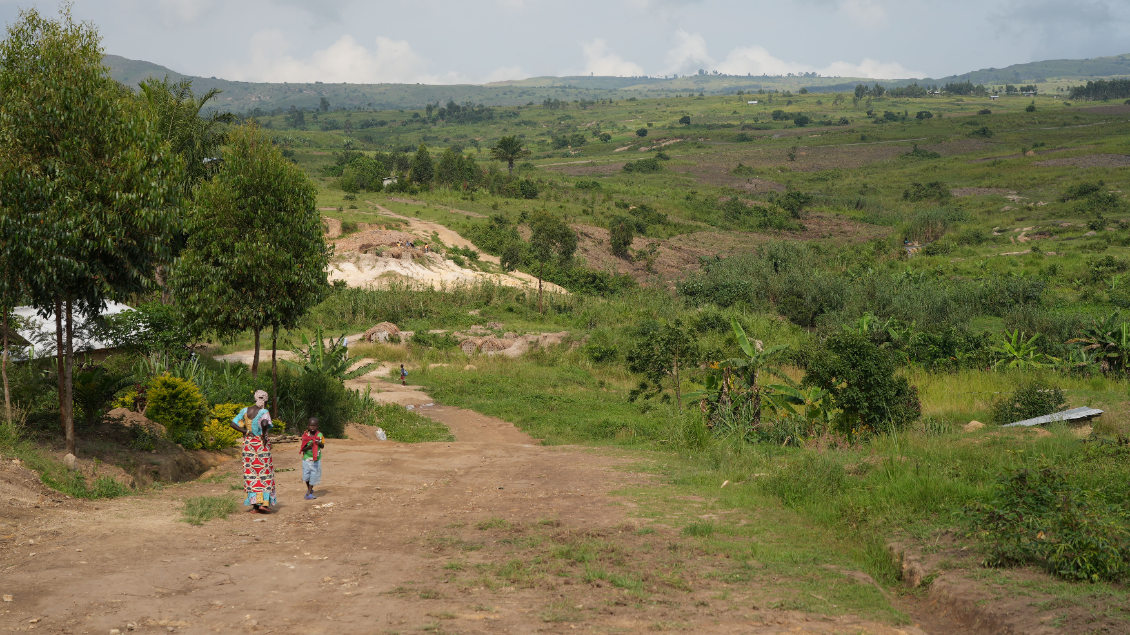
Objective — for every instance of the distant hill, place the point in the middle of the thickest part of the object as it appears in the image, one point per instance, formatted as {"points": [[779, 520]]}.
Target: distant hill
{"points": [[246, 96], [1038, 72]]}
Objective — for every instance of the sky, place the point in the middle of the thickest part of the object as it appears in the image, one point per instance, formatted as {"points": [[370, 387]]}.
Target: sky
{"points": [[476, 41]]}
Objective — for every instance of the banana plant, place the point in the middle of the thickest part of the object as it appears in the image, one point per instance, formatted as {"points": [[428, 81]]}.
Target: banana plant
{"points": [[733, 383], [815, 404], [1109, 341], [1016, 352], [332, 361]]}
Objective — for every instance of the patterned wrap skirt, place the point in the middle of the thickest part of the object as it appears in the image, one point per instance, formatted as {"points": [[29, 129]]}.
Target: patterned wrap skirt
{"points": [[258, 472]]}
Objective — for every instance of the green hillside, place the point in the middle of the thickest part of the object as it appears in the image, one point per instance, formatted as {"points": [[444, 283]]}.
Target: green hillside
{"points": [[242, 96]]}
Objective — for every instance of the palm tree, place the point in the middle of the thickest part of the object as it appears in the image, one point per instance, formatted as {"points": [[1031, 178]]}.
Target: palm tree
{"points": [[509, 149]]}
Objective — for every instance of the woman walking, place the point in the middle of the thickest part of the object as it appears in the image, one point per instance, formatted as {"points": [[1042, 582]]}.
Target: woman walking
{"points": [[258, 468]]}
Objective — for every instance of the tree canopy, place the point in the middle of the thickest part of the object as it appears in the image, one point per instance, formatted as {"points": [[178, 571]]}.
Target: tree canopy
{"points": [[256, 255], [508, 150]]}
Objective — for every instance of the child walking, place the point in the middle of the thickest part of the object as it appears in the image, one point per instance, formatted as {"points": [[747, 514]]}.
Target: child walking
{"points": [[312, 443], [403, 376]]}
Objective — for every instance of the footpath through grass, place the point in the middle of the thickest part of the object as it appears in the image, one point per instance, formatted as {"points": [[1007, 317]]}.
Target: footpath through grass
{"points": [[799, 515]]}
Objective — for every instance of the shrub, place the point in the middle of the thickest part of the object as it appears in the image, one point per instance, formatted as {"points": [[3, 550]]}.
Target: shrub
{"points": [[918, 153], [1030, 107], [621, 231], [642, 132], [178, 405], [1031, 399], [218, 433], [861, 379], [315, 395], [982, 132], [434, 340], [984, 111], [1038, 517], [802, 120], [932, 191], [527, 189], [643, 166]]}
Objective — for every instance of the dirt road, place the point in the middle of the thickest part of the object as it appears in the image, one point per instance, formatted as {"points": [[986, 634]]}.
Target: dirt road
{"points": [[492, 533]]}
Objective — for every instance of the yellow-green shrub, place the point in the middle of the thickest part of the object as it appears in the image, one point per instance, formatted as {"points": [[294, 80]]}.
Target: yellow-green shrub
{"points": [[178, 405], [127, 400], [218, 433]]}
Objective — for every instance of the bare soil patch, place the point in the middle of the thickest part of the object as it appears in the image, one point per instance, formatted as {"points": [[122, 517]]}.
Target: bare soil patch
{"points": [[958, 192], [1116, 109], [587, 169], [1089, 161], [492, 533]]}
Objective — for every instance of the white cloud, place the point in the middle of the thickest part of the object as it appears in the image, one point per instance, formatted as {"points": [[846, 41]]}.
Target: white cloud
{"points": [[755, 60], [689, 54], [865, 12], [599, 60], [343, 61], [506, 72]]}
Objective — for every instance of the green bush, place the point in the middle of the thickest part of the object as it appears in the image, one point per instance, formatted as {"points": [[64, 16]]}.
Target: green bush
{"points": [[621, 231], [1031, 399], [861, 378], [315, 395], [1038, 517], [643, 166], [434, 340], [178, 405]]}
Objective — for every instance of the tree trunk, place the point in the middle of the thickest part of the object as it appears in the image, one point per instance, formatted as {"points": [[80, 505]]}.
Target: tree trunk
{"points": [[756, 401], [68, 383], [255, 360], [275, 374], [541, 270], [4, 371], [162, 283], [59, 353], [678, 394], [510, 166]]}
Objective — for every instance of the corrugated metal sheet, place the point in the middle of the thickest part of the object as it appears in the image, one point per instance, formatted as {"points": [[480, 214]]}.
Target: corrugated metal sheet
{"points": [[1083, 413]]}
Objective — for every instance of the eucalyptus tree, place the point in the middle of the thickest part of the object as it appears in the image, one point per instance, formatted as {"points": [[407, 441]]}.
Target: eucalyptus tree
{"points": [[256, 255], [86, 181]]}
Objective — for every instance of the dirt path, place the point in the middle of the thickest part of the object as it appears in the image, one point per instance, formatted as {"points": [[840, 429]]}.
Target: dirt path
{"points": [[492, 533]]}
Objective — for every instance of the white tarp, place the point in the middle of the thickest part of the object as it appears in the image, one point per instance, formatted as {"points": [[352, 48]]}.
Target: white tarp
{"points": [[40, 331]]}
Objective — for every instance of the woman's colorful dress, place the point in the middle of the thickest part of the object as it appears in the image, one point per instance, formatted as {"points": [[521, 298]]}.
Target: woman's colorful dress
{"points": [[258, 468]]}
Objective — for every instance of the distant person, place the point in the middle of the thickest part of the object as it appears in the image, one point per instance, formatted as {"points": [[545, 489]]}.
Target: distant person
{"points": [[403, 376], [312, 443]]}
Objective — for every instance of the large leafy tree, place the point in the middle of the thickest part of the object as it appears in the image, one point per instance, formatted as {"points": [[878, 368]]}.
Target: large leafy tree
{"points": [[85, 178], [551, 239], [423, 168], [508, 150], [256, 255], [176, 113]]}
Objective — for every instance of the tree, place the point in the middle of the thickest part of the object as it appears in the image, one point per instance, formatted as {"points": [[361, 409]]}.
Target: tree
{"points": [[861, 379], [256, 255], [661, 353], [176, 112], [685, 120], [508, 150], [84, 177], [621, 231], [324, 104], [802, 120], [423, 169], [642, 132], [550, 239]]}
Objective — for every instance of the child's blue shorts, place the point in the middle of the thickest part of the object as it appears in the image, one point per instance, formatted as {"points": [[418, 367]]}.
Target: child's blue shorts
{"points": [[311, 472]]}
